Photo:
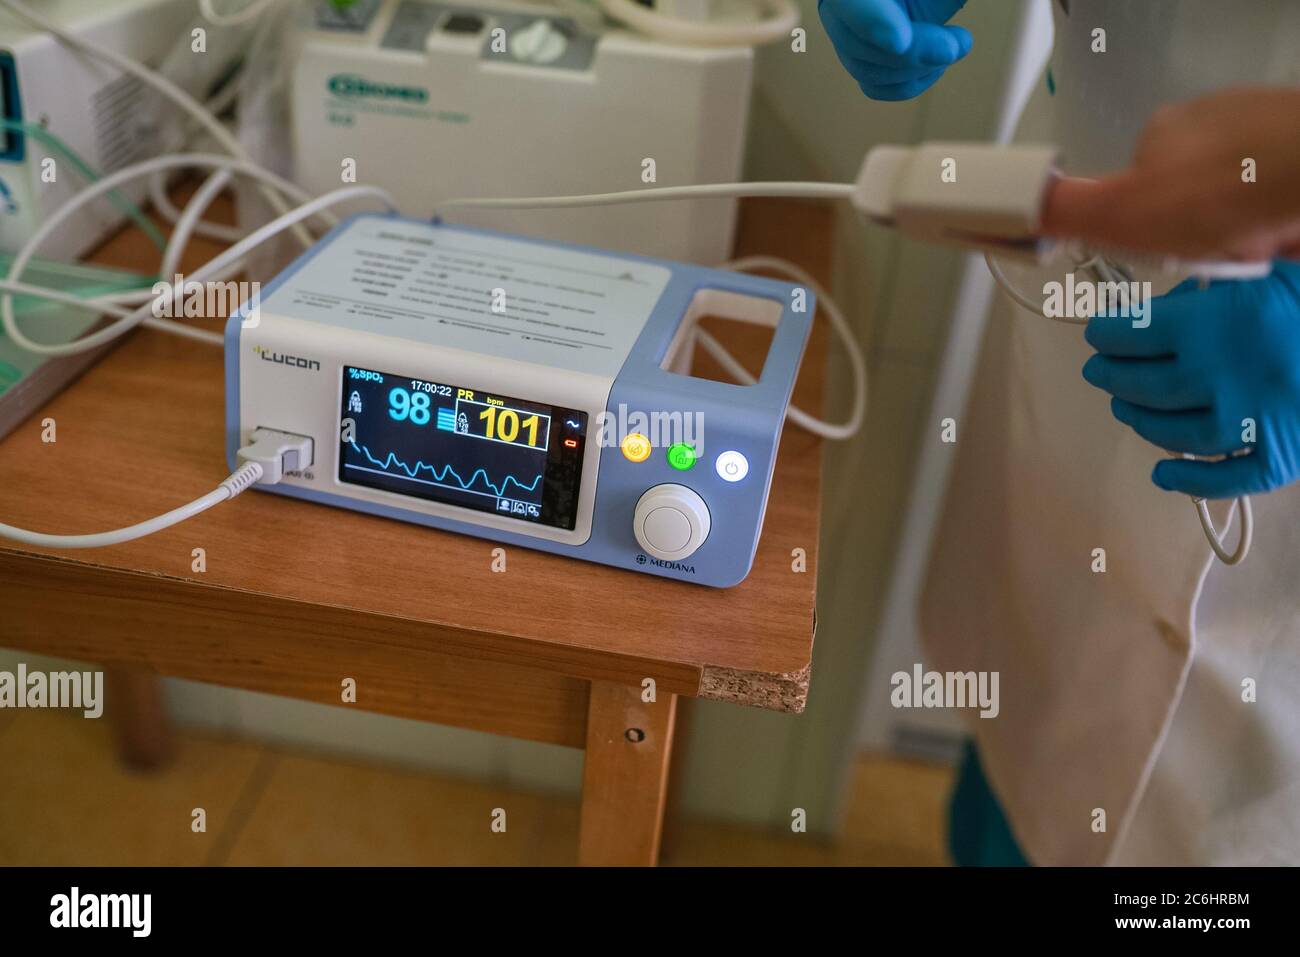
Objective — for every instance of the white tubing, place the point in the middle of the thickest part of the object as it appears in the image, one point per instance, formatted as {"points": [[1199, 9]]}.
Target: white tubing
{"points": [[857, 363], [189, 219], [1107, 273], [1244, 537], [164, 207], [656, 194]]}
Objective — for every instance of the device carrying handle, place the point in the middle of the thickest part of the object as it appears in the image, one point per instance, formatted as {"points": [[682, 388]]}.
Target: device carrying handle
{"points": [[790, 319]]}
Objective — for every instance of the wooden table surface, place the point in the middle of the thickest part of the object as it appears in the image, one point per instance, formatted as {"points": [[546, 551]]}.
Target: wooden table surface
{"points": [[296, 594]]}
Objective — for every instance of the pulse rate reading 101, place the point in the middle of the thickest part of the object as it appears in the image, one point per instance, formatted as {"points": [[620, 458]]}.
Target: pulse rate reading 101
{"points": [[461, 446]]}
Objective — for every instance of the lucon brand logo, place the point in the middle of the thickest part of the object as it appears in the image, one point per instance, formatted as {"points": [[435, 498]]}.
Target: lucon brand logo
{"points": [[353, 86], [270, 355]]}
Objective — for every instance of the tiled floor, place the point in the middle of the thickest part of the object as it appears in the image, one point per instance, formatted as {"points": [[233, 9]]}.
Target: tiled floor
{"points": [[64, 799]]}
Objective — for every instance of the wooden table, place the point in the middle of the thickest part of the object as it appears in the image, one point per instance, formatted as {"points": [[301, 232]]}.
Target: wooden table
{"points": [[296, 597]]}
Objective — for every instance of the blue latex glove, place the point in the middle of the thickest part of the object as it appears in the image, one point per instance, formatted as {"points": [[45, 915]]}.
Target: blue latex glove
{"points": [[895, 49], [1209, 359]]}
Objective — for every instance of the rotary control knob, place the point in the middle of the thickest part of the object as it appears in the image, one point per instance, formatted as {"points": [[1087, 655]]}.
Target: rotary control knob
{"points": [[670, 522], [539, 42]]}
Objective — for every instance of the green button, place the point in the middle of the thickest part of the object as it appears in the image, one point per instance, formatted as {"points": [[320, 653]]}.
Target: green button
{"points": [[681, 456]]}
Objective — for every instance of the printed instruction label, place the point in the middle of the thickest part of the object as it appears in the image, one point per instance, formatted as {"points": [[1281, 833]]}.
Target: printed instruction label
{"points": [[484, 293]]}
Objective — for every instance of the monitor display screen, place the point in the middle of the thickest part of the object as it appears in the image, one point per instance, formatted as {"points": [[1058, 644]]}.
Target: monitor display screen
{"points": [[461, 446]]}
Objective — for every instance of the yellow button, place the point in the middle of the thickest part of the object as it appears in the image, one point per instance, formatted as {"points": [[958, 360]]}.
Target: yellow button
{"points": [[636, 447]]}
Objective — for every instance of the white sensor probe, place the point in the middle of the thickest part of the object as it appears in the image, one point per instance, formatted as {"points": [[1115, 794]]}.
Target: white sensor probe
{"points": [[968, 194]]}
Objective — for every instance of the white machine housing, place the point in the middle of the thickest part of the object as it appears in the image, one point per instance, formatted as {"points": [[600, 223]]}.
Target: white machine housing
{"points": [[595, 345], [106, 117], [439, 100]]}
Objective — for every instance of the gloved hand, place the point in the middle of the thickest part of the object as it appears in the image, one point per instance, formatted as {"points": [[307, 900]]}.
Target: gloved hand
{"points": [[1210, 359], [895, 49]]}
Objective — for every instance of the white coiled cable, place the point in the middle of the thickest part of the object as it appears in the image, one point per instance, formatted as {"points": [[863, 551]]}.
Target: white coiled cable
{"points": [[1108, 273]]}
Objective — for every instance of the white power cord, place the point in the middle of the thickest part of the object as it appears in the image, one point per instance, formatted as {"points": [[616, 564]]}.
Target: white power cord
{"points": [[224, 99], [263, 461], [1019, 298], [1109, 274], [186, 224], [108, 305], [857, 364], [232, 485], [1244, 538], [165, 208], [656, 194]]}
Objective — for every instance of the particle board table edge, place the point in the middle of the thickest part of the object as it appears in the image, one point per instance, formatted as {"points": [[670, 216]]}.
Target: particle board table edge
{"points": [[777, 691], [786, 692], [673, 677]]}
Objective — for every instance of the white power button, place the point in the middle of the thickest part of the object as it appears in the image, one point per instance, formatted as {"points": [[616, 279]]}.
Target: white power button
{"points": [[670, 522], [731, 466]]}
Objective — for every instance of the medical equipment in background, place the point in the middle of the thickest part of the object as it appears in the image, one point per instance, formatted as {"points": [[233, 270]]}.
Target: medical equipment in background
{"points": [[75, 105], [415, 398], [86, 115], [27, 380], [431, 100]]}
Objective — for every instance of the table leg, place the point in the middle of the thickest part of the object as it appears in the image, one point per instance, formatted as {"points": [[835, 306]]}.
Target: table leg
{"points": [[136, 707], [674, 820], [625, 775]]}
